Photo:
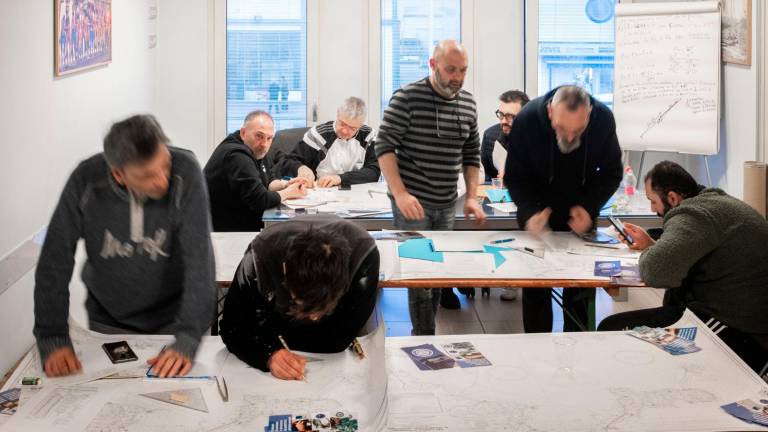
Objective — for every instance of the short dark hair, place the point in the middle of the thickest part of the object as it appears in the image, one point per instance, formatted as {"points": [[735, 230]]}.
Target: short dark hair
{"points": [[514, 96], [317, 272], [135, 139], [667, 176]]}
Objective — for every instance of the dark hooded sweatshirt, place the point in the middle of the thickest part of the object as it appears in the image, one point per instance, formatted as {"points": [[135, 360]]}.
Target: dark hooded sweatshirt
{"points": [[538, 175], [238, 185], [253, 315]]}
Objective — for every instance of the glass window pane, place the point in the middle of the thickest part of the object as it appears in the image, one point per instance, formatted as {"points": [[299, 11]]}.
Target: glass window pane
{"points": [[576, 46], [267, 61], [409, 31]]}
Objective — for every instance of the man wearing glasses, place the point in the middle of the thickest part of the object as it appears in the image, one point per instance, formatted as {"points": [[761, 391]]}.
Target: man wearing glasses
{"points": [[337, 152], [428, 136], [240, 178], [512, 101]]}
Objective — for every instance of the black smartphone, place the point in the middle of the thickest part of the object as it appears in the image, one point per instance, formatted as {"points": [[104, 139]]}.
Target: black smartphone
{"points": [[620, 228], [119, 352]]}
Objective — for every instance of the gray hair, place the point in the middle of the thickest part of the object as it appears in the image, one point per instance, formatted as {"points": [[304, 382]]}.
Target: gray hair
{"points": [[257, 113], [133, 140], [573, 96], [353, 108]]}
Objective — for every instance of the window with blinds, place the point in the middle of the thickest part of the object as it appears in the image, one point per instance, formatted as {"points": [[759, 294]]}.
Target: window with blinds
{"points": [[576, 46], [267, 61], [409, 31]]}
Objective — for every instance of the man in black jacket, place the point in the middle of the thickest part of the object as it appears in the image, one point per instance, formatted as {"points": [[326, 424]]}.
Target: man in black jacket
{"points": [[337, 152], [511, 103], [240, 178], [311, 281], [563, 164]]}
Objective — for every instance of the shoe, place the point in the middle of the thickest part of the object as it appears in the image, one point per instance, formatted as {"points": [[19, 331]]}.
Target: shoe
{"points": [[449, 299], [509, 294]]}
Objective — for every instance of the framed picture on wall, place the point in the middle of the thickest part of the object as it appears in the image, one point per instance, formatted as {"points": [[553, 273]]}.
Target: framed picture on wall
{"points": [[82, 35], [737, 31]]}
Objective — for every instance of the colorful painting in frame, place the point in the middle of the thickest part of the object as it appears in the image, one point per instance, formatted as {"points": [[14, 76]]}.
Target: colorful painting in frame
{"points": [[82, 34], [737, 31]]}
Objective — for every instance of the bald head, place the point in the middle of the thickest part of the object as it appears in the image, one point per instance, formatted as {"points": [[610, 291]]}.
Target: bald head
{"points": [[449, 67], [448, 46]]}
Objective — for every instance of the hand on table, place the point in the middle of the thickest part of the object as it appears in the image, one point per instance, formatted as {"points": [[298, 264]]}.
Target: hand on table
{"points": [[170, 363], [580, 220], [62, 361], [328, 181], [538, 224], [286, 365]]}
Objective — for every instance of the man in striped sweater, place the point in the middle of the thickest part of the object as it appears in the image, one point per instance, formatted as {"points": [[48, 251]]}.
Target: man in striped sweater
{"points": [[427, 137]]}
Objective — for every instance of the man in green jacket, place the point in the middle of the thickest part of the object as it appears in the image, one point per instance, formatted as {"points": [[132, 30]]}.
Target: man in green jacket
{"points": [[712, 257]]}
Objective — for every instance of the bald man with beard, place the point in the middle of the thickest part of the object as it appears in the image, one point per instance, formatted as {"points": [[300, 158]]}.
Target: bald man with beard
{"points": [[427, 137]]}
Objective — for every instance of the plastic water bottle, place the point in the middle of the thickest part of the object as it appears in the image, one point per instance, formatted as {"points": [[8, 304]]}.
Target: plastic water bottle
{"points": [[626, 192]]}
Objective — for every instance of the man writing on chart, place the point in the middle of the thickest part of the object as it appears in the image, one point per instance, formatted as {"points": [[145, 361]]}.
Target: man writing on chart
{"points": [[142, 208], [711, 257], [309, 283], [563, 164], [336, 152], [427, 137]]}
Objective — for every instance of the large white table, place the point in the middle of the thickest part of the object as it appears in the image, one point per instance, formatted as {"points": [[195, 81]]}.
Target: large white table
{"points": [[373, 196], [576, 382]]}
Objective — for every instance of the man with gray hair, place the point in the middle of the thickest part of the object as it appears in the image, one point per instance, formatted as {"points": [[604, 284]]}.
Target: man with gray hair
{"points": [[563, 164], [241, 180], [337, 152], [142, 209]]}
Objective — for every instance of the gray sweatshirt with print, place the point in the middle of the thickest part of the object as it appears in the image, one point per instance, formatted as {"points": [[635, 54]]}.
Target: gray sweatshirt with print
{"points": [[149, 265]]}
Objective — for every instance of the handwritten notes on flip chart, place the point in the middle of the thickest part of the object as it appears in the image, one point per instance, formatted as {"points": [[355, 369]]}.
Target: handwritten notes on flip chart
{"points": [[667, 77]]}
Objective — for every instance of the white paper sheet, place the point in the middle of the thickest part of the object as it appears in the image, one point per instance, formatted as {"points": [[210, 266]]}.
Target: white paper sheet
{"points": [[499, 156]]}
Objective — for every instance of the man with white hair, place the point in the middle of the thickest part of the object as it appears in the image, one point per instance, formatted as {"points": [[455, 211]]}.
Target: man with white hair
{"points": [[337, 152], [563, 164]]}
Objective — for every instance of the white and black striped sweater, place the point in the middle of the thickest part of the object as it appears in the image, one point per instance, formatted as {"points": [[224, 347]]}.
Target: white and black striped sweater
{"points": [[312, 149], [433, 138]]}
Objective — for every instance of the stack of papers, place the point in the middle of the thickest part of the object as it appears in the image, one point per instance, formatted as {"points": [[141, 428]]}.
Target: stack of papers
{"points": [[749, 410], [461, 354]]}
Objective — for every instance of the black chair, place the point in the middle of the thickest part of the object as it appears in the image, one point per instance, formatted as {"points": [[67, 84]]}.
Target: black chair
{"points": [[283, 143]]}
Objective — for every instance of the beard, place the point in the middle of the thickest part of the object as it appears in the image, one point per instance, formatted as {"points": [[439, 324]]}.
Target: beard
{"points": [[667, 207], [568, 147], [447, 87]]}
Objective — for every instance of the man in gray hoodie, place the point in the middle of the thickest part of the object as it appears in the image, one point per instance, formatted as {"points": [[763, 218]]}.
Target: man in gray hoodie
{"points": [[142, 208], [712, 259]]}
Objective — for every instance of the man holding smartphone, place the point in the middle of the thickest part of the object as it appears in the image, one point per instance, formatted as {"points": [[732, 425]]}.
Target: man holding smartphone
{"points": [[711, 257]]}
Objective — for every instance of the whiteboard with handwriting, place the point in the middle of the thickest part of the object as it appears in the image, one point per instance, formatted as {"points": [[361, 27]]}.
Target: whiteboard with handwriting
{"points": [[667, 77]]}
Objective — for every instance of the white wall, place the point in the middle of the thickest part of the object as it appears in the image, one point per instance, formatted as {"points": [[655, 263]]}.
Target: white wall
{"points": [[183, 74], [49, 124]]}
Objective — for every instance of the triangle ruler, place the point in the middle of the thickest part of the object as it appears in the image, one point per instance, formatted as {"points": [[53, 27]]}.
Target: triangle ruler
{"points": [[191, 398]]}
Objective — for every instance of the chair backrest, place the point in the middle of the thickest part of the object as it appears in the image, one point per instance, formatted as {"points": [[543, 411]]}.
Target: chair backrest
{"points": [[283, 143]]}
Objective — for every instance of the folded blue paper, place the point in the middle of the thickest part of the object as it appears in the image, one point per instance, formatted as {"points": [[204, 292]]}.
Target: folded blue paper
{"points": [[498, 195], [422, 249], [498, 258]]}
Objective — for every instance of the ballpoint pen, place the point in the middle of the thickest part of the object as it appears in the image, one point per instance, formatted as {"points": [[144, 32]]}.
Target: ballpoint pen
{"points": [[285, 345], [504, 240], [224, 393]]}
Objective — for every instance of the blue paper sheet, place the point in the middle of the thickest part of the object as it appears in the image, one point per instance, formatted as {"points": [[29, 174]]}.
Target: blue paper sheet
{"points": [[422, 249], [498, 258], [498, 195]]}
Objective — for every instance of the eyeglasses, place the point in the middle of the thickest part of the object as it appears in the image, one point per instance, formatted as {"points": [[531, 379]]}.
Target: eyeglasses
{"points": [[448, 134], [508, 116]]}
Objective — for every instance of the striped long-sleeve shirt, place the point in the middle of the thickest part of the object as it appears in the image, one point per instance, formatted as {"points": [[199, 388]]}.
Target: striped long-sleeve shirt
{"points": [[433, 138]]}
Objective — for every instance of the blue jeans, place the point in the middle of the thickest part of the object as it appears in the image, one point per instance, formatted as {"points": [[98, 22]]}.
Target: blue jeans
{"points": [[423, 302]]}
